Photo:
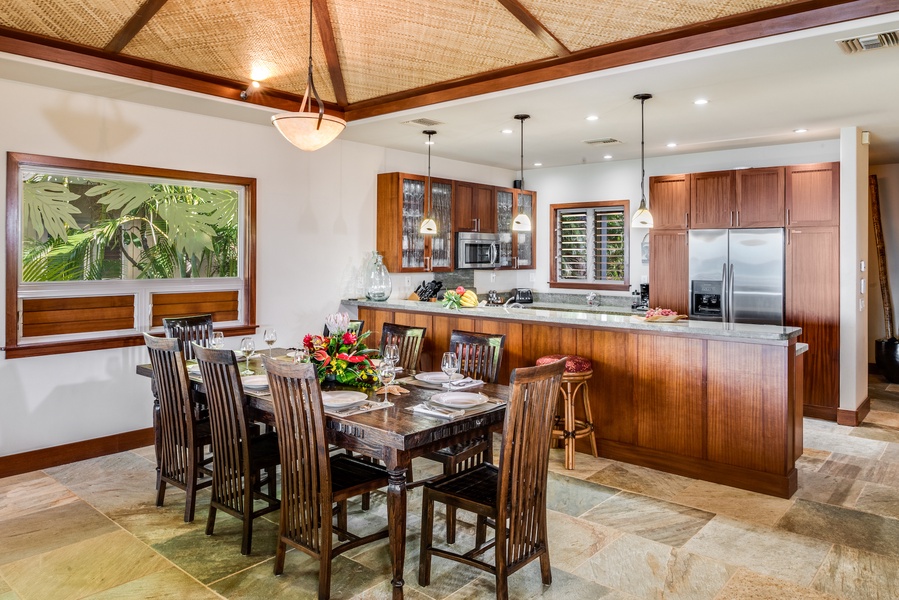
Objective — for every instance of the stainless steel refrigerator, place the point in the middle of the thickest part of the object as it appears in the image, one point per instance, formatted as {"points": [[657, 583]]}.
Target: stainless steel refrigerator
{"points": [[737, 275]]}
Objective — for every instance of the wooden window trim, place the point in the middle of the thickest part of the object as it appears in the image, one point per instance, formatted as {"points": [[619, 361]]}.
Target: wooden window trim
{"points": [[17, 160], [617, 287]]}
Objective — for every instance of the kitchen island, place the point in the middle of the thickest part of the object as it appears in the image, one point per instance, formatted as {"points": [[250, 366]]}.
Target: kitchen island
{"points": [[706, 400]]}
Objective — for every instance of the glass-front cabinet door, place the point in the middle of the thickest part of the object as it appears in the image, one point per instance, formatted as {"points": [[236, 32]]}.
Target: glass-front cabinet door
{"points": [[441, 243], [504, 203], [413, 211], [525, 239], [516, 248]]}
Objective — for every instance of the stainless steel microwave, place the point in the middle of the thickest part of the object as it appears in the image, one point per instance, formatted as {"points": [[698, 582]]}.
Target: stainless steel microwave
{"points": [[477, 250]]}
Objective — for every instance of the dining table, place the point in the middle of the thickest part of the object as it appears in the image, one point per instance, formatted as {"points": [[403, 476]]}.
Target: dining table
{"points": [[393, 432]]}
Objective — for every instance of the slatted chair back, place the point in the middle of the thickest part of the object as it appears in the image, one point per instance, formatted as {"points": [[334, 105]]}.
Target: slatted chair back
{"points": [[354, 326], [408, 339], [177, 428], [230, 427], [195, 329], [480, 354], [305, 466], [524, 462]]}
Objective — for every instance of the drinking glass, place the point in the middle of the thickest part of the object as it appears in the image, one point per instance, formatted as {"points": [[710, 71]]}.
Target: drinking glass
{"points": [[450, 364], [218, 340], [270, 336], [247, 346], [300, 355], [386, 375], [392, 354]]}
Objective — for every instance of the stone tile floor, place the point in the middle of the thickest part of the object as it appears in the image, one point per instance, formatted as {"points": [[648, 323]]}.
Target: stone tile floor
{"points": [[617, 531]]}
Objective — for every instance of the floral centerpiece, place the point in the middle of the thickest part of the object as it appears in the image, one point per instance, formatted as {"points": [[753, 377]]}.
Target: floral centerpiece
{"points": [[341, 356]]}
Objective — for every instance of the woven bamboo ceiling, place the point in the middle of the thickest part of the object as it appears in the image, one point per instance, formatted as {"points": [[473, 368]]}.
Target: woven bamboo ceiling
{"points": [[378, 56]]}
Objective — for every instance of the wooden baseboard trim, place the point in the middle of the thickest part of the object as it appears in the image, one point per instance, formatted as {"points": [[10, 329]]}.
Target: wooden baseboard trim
{"points": [[35, 460], [828, 413], [854, 418], [782, 486]]}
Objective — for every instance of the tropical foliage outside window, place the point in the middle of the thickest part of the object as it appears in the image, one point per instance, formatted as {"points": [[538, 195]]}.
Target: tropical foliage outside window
{"points": [[590, 245]]}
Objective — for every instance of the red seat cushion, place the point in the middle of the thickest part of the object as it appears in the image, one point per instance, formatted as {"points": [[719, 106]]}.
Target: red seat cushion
{"points": [[573, 364]]}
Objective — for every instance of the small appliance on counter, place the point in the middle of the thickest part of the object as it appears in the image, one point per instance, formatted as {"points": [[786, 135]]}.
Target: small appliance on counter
{"points": [[643, 303], [524, 296], [494, 298]]}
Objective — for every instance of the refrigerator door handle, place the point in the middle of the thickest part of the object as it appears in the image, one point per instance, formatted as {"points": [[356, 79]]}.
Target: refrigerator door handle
{"points": [[730, 297], [724, 294]]}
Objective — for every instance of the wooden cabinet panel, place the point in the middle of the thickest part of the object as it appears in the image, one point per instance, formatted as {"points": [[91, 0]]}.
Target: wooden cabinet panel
{"points": [[668, 270], [443, 327], [760, 197], [668, 394], [612, 388], [813, 303], [669, 201], [712, 200], [813, 195], [474, 207], [745, 412], [374, 321], [427, 349]]}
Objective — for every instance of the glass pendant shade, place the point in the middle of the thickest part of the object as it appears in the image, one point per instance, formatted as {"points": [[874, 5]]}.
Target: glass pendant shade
{"points": [[428, 226], [521, 223], [302, 129], [642, 218]]}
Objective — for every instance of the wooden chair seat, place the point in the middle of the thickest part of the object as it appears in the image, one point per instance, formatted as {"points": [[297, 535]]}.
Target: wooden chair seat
{"points": [[352, 476], [476, 486]]}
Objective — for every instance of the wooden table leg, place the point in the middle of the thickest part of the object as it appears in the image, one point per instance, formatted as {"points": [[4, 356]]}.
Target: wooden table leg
{"points": [[396, 519]]}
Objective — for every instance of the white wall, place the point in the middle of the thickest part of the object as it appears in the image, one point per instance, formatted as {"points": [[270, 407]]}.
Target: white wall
{"points": [[888, 186], [315, 226]]}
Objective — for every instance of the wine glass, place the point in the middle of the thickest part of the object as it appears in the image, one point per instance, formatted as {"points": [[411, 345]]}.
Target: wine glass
{"points": [[300, 355], [270, 336], [247, 346], [392, 354], [450, 364], [386, 375], [218, 340]]}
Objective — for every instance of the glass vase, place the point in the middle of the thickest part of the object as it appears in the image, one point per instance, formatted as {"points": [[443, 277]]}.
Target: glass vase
{"points": [[377, 280]]}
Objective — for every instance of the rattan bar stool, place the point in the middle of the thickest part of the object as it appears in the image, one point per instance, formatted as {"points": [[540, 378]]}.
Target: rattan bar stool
{"points": [[567, 428]]}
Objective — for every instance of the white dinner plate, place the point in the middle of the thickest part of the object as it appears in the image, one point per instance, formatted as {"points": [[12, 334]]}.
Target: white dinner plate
{"points": [[255, 382], [437, 377], [342, 398], [459, 399]]}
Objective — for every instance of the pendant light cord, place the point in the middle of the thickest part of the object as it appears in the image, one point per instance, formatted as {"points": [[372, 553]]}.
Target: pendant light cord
{"points": [[642, 154]]}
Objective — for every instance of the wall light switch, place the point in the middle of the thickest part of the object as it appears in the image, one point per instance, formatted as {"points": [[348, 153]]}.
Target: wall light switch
{"points": [[861, 266], [861, 286], [408, 281], [492, 276], [532, 277], [861, 305]]}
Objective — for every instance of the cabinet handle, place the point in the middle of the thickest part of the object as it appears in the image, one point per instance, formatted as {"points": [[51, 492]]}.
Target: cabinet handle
{"points": [[427, 263], [515, 258], [731, 218], [686, 220], [738, 218], [477, 224], [788, 216]]}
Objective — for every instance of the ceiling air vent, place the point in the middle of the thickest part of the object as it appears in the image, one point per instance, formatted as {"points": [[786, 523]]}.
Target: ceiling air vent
{"points": [[602, 142], [422, 122], [869, 42]]}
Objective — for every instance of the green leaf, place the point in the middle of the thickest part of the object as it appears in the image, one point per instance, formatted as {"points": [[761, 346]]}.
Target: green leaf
{"points": [[47, 208], [189, 229], [127, 196]]}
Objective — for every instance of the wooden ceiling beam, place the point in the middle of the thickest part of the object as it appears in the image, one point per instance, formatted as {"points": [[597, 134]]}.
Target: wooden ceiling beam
{"points": [[535, 26], [137, 21], [761, 23], [329, 42]]}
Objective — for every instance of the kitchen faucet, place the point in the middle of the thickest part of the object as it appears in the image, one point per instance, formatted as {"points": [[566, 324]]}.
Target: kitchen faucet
{"points": [[590, 298]]}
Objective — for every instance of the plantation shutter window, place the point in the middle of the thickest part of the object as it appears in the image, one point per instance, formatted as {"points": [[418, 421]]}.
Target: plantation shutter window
{"points": [[590, 245]]}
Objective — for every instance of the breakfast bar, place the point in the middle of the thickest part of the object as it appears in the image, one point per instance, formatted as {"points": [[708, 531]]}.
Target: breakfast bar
{"points": [[711, 401]]}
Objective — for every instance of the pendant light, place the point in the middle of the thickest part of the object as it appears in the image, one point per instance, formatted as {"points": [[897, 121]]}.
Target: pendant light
{"points": [[429, 225], [308, 130], [522, 222], [642, 218]]}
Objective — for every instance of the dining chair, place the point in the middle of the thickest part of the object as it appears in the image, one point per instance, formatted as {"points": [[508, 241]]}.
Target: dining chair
{"points": [[312, 480], [510, 497], [354, 326], [408, 339], [193, 329], [240, 456], [182, 438], [480, 356]]}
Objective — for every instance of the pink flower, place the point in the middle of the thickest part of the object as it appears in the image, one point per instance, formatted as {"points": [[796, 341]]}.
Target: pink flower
{"points": [[307, 341], [460, 290], [349, 338], [322, 356]]}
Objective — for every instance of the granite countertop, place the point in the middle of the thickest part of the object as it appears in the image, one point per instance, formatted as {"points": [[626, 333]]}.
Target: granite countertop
{"points": [[596, 316]]}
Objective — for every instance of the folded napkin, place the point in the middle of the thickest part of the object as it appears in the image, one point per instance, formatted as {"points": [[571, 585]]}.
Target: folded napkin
{"points": [[394, 390], [440, 413], [462, 384]]}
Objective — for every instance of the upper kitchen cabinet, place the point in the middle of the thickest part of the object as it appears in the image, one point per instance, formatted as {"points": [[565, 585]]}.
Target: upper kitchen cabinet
{"points": [[669, 265], [474, 207], [813, 195], [516, 248], [760, 197], [669, 201], [713, 200], [403, 202]]}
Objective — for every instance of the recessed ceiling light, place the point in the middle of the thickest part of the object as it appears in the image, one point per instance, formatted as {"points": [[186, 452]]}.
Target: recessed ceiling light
{"points": [[607, 156], [506, 131], [538, 164], [700, 101], [800, 130], [672, 145], [592, 118]]}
